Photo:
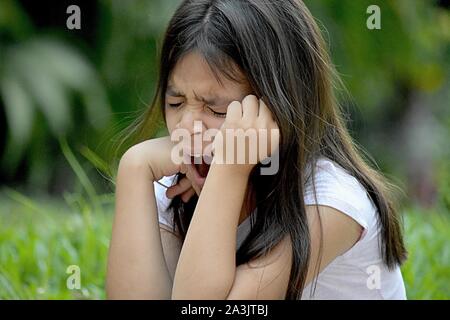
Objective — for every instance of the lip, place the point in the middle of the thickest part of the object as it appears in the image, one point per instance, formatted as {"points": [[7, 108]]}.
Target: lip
{"points": [[199, 180]]}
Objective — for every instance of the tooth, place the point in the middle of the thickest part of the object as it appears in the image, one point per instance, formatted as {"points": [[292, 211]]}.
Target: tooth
{"points": [[197, 160]]}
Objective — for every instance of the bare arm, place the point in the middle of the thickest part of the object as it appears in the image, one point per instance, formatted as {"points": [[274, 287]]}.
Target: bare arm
{"points": [[207, 265], [172, 244], [136, 265]]}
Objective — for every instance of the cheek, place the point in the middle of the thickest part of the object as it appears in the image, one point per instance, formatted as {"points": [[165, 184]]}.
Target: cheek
{"points": [[214, 123], [171, 119]]}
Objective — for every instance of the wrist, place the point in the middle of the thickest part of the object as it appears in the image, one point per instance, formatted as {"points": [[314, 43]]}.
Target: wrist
{"points": [[235, 171], [234, 162]]}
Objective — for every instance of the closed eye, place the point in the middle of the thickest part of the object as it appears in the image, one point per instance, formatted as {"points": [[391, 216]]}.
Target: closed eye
{"points": [[208, 108], [217, 114]]}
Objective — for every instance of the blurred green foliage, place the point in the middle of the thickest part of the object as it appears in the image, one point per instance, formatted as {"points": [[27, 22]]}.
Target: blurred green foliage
{"points": [[410, 49], [39, 241], [55, 84], [427, 271], [40, 74]]}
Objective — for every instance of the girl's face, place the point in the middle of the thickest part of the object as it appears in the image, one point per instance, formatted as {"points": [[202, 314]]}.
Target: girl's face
{"points": [[194, 94]]}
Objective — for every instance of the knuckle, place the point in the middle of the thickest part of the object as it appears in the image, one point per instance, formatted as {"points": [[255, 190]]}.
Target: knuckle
{"points": [[234, 104], [250, 99]]}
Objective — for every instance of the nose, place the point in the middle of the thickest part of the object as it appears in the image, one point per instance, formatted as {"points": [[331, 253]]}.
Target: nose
{"points": [[193, 119], [192, 122]]}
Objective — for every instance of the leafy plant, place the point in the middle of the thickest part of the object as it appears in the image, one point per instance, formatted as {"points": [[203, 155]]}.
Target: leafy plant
{"points": [[41, 75]]}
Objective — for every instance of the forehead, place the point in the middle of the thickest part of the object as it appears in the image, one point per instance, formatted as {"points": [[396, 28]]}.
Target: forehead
{"points": [[192, 72]]}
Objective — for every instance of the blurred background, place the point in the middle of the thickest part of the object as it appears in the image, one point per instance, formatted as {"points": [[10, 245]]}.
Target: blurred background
{"points": [[66, 95]]}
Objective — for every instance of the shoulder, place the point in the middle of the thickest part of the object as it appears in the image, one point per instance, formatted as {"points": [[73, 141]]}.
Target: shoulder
{"points": [[332, 234], [336, 188], [330, 176], [340, 213]]}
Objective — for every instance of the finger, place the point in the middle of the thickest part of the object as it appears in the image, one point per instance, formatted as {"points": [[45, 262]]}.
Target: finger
{"points": [[183, 166], [186, 196], [274, 140], [250, 106], [182, 186], [234, 111], [264, 111], [189, 175], [197, 189]]}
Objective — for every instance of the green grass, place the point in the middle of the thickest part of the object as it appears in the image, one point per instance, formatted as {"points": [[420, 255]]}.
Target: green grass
{"points": [[427, 270], [39, 240]]}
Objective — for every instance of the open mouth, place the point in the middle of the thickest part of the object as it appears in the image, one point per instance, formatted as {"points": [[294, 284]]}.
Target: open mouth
{"points": [[200, 166]]}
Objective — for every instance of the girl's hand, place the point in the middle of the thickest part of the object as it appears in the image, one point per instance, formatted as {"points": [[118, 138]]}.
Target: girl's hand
{"points": [[155, 155], [252, 123], [186, 187]]}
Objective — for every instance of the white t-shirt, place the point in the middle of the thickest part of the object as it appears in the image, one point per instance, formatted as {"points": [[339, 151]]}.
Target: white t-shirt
{"points": [[359, 273]]}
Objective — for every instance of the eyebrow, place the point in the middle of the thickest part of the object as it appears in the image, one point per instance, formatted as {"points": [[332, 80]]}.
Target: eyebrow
{"points": [[213, 100]]}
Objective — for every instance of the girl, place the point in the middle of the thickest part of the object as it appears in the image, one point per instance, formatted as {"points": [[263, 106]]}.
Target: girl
{"points": [[324, 226]]}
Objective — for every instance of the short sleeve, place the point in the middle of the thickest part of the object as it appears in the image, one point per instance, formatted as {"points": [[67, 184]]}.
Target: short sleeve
{"points": [[336, 188], [165, 216]]}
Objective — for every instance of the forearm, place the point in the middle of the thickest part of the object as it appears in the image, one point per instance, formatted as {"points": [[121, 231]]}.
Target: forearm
{"points": [[207, 262], [136, 264]]}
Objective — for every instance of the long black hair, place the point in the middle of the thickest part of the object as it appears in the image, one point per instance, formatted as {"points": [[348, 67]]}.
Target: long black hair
{"points": [[278, 46]]}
